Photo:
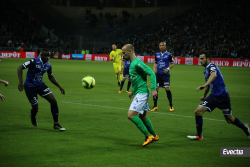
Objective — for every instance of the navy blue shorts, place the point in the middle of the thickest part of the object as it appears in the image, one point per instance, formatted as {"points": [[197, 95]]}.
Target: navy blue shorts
{"points": [[31, 92], [221, 102], [163, 80], [126, 73]]}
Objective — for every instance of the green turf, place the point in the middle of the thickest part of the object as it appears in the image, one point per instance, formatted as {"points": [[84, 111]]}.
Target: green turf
{"points": [[98, 132]]}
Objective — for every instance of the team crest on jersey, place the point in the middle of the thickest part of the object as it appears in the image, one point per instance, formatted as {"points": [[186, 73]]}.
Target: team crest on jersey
{"points": [[38, 66], [212, 68]]}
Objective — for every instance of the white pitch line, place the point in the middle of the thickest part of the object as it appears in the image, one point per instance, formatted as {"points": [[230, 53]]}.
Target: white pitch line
{"points": [[149, 111], [158, 98]]}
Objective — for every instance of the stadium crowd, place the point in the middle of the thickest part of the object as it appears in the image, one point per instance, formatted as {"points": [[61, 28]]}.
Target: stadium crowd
{"points": [[18, 29], [222, 29]]}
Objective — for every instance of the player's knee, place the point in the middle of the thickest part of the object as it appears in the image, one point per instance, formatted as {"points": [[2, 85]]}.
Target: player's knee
{"points": [[53, 102], [35, 108], [167, 88], [130, 117], [198, 112], [228, 120]]}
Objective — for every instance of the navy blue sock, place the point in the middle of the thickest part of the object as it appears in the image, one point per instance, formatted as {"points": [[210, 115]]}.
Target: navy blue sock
{"points": [[129, 84], [239, 124], [122, 83], [199, 123], [155, 100], [33, 113], [55, 112], [169, 95]]}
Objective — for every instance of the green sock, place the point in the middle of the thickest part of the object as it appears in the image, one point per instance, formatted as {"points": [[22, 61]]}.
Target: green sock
{"points": [[138, 122], [149, 126]]}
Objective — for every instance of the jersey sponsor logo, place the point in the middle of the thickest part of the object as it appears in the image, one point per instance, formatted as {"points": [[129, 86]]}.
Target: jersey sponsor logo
{"points": [[38, 77], [161, 64], [38, 66]]}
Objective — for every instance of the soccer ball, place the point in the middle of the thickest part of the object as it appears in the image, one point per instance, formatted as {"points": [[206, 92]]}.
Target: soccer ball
{"points": [[88, 82]]}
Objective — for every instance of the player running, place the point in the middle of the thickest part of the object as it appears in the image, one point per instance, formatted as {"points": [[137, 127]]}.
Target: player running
{"points": [[125, 75], [34, 85], [138, 72], [219, 97], [115, 56], [162, 60]]}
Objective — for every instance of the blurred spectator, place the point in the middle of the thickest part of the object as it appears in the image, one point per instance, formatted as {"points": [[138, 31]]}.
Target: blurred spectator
{"points": [[213, 27]]}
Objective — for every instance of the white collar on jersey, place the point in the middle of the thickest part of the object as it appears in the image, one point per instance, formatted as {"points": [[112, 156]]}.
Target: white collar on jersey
{"points": [[163, 53]]}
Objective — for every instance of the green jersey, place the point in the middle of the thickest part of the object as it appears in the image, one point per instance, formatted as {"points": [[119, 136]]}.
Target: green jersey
{"points": [[138, 72]]}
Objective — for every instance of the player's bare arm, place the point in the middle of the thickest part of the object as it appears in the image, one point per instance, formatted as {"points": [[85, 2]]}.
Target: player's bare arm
{"points": [[20, 77], [210, 79], [155, 65], [54, 81], [154, 93], [167, 69], [131, 94], [6, 83], [205, 93], [2, 97]]}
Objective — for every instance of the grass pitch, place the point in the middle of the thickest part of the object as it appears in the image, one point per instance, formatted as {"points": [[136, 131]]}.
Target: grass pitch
{"points": [[98, 132]]}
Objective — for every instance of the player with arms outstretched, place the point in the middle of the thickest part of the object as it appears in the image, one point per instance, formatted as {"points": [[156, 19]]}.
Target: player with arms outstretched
{"points": [[138, 72], [219, 97], [162, 72], [125, 75], [116, 57], [34, 85]]}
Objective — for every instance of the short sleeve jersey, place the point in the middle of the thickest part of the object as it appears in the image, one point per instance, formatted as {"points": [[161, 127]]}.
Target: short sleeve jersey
{"points": [[217, 87], [162, 61], [138, 72], [36, 69], [117, 55]]}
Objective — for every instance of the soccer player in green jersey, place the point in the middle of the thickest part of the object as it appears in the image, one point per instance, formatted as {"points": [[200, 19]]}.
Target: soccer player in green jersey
{"points": [[138, 72]]}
